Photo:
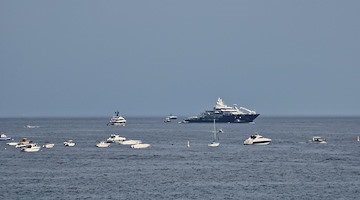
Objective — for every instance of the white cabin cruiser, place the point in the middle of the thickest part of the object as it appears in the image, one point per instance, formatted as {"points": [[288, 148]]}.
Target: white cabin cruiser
{"points": [[257, 140], [33, 147], [69, 143], [102, 144], [318, 139], [117, 120], [115, 138], [140, 146]]}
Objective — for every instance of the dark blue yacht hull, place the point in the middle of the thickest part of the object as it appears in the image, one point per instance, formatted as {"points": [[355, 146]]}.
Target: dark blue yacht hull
{"points": [[243, 118]]}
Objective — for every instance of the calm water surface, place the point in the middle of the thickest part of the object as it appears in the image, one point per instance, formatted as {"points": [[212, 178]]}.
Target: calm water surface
{"points": [[288, 168]]}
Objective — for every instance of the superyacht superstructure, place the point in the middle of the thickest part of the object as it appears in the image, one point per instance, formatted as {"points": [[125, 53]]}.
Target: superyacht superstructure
{"points": [[117, 120]]}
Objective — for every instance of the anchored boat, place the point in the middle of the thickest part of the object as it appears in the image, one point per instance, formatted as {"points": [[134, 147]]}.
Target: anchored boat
{"points": [[257, 140], [223, 113], [117, 120]]}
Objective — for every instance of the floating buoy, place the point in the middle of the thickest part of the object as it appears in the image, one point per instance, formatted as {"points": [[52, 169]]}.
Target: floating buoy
{"points": [[188, 144]]}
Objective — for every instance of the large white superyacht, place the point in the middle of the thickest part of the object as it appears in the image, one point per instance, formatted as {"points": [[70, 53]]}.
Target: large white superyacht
{"points": [[117, 120]]}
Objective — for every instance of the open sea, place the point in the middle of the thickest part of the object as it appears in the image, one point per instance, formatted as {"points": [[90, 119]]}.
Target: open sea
{"points": [[288, 168]]}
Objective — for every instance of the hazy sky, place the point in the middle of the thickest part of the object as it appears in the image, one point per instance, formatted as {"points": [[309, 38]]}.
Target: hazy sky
{"points": [[91, 58]]}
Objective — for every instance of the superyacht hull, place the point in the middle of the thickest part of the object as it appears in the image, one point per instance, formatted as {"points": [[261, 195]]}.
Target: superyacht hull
{"points": [[243, 118]]}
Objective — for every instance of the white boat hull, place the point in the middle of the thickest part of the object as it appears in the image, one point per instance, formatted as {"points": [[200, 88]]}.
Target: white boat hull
{"points": [[257, 140], [130, 142], [140, 146], [118, 124], [21, 145], [69, 143], [12, 143], [115, 138], [214, 144], [319, 140], [262, 143], [33, 149], [49, 146], [103, 144]]}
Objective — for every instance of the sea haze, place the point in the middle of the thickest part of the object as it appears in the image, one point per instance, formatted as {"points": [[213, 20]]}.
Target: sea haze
{"points": [[288, 168]]}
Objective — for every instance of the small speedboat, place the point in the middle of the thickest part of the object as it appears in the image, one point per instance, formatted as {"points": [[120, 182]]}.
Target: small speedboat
{"points": [[69, 143], [115, 138], [4, 137], [318, 139], [130, 142], [33, 147], [257, 140], [214, 143], [49, 145], [140, 146], [167, 119], [102, 144]]}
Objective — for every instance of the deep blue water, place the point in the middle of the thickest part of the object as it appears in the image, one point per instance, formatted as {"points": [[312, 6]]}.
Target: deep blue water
{"points": [[288, 168]]}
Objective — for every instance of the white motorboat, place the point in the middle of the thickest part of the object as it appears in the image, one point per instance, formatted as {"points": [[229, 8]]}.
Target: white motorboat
{"points": [[130, 142], [23, 143], [257, 140], [30, 126], [4, 137], [102, 144], [117, 120], [69, 143], [171, 116], [167, 119], [115, 138], [140, 146], [33, 147], [49, 145], [318, 139], [215, 142]]}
